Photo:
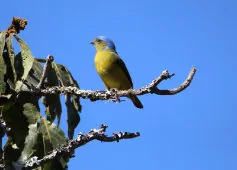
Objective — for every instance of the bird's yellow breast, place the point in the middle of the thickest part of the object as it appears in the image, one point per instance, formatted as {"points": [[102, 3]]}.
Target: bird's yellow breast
{"points": [[104, 62], [110, 72]]}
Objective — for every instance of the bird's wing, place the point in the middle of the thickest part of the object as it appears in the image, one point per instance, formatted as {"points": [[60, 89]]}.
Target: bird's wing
{"points": [[122, 65]]}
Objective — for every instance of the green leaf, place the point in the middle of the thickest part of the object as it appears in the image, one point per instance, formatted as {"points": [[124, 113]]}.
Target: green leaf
{"points": [[52, 134], [35, 74], [76, 103], [31, 112], [42, 138], [15, 120], [18, 64], [73, 106], [3, 67], [11, 55], [68, 80], [18, 124], [27, 61], [53, 137], [30, 142], [73, 117], [53, 107], [17, 116], [52, 102], [2, 41], [9, 77]]}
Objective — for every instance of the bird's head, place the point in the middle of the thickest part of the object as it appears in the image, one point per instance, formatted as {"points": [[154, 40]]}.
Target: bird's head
{"points": [[103, 43]]}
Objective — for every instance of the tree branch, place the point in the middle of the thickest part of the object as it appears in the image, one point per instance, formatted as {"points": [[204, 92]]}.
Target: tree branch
{"points": [[69, 147], [114, 94]]}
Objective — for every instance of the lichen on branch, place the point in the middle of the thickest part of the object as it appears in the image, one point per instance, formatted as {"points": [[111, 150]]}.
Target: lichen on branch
{"points": [[82, 139], [114, 94]]}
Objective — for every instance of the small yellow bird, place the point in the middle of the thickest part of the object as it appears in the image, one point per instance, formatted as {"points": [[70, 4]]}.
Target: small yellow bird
{"points": [[111, 67]]}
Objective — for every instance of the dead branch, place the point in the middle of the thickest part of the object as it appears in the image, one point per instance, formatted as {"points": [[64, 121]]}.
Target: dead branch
{"points": [[114, 94], [69, 147]]}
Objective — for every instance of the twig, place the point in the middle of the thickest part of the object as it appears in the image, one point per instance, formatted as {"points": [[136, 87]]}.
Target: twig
{"points": [[69, 147], [41, 60], [114, 95], [45, 71]]}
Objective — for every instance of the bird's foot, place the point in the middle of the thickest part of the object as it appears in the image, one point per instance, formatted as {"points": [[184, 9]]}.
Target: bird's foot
{"points": [[113, 92]]}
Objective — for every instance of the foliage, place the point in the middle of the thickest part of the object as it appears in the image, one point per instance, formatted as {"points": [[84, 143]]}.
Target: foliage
{"points": [[30, 133]]}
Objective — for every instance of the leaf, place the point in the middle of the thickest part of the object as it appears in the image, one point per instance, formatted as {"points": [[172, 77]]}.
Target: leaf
{"points": [[73, 106], [2, 41], [8, 77], [42, 138], [15, 120], [53, 137], [18, 124], [11, 55], [52, 102], [66, 79], [27, 61], [52, 134], [18, 64], [3, 67], [17, 117], [73, 117], [5, 102], [35, 74], [31, 112], [30, 142], [76, 103]]}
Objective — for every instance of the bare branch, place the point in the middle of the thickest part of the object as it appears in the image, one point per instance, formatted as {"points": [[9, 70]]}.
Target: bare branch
{"points": [[115, 94], [45, 71], [69, 147]]}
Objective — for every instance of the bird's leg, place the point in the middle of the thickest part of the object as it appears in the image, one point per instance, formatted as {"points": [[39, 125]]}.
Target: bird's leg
{"points": [[113, 92]]}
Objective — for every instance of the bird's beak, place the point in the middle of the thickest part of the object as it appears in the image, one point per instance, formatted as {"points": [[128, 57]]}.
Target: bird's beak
{"points": [[92, 42]]}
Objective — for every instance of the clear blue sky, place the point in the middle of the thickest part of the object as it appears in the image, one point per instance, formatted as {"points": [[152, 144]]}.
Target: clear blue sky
{"points": [[194, 130]]}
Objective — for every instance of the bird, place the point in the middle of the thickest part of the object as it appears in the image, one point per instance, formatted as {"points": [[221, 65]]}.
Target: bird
{"points": [[111, 68]]}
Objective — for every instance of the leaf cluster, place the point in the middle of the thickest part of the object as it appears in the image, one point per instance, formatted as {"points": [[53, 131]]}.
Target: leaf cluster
{"points": [[32, 134]]}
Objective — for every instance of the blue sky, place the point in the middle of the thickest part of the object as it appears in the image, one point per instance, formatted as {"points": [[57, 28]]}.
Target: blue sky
{"points": [[193, 130]]}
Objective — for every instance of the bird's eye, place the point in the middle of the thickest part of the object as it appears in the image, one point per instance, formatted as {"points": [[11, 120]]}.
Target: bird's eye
{"points": [[98, 40]]}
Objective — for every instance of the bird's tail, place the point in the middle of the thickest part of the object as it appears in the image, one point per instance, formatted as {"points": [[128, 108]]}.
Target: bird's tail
{"points": [[136, 101]]}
